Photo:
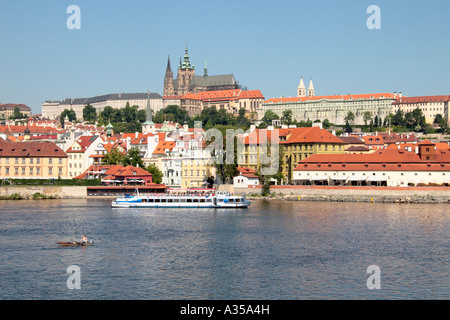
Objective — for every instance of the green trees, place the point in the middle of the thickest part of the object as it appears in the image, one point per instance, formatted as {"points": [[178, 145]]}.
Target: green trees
{"points": [[71, 115], [173, 113], [157, 175], [441, 122], [114, 157], [133, 158], [17, 114], [89, 114]]}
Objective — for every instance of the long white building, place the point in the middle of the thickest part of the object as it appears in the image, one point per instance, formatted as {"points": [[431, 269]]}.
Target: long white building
{"points": [[53, 109]]}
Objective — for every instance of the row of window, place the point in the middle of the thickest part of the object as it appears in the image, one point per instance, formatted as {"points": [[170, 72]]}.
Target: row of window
{"points": [[30, 160], [31, 171], [177, 200], [364, 173]]}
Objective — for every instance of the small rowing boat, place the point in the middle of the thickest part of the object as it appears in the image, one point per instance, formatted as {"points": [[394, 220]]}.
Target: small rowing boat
{"points": [[75, 243]]}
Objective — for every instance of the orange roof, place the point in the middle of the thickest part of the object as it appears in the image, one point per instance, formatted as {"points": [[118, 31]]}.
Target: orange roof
{"points": [[245, 170], [422, 99], [293, 135], [377, 140], [163, 146], [30, 149], [335, 97], [33, 129], [220, 95], [389, 159], [114, 171]]}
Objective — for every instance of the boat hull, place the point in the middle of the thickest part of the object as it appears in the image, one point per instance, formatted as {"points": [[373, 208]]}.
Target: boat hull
{"points": [[222, 200], [75, 244]]}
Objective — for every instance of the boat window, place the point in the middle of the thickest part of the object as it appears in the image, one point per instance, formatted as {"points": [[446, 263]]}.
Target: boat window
{"points": [[202, 200], [238, 200], [176, 200], [170, 200], [163, 200], [195, 200], [208, 200], [188, 200], [220, 200], [151, 200], [157, 200]]}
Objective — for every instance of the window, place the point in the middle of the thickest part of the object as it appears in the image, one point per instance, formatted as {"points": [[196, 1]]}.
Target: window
{"points": [[23, 171], [31, 171], [50, 160], [38, 171], [24, 160], [50, 170]]}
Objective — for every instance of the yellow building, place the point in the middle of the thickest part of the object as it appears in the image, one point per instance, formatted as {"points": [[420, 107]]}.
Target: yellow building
{"points": [[32, 160], [194, 172], [295, 144]]}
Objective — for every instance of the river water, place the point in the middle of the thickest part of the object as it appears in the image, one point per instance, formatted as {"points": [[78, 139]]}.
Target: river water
{"points": [[274, 250]]}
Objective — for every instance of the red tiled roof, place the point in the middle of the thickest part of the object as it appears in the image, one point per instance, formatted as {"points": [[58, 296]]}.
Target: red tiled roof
{"points": [[33, 129], [293, 135], [245, 170], [422, 99], [223, 95], [382, 160], [335, 97], [163, 146], [30, 149]]}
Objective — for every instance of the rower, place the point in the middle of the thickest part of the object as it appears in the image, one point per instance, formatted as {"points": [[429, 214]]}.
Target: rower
{"points": [[84, 239]]}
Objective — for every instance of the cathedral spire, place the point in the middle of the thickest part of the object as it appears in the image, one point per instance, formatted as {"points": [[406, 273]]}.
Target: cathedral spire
{"points": [[168, 69], [205, 70]]}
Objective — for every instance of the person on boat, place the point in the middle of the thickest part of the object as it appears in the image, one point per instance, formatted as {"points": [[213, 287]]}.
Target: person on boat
{"points": [[84, 239]]}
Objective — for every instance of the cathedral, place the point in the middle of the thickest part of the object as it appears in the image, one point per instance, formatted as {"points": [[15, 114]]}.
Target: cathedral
{"points": [[188, 82]]}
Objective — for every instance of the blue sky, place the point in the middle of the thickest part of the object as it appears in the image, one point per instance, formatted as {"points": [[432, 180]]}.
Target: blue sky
{"points": [[123, 46]]}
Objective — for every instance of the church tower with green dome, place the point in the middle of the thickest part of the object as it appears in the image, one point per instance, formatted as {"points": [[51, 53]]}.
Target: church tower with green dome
{"points": [[186, 73]]}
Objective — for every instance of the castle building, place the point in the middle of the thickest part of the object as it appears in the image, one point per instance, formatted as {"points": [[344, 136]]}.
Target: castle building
{"points": [[188, 82], [430, 106], [308, 106]]}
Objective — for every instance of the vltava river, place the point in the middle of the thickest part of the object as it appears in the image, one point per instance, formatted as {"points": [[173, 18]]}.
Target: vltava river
{"points": [[273, 250]]}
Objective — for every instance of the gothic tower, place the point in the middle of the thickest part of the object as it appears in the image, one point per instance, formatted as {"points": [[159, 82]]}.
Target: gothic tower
{"points": [[311, 89], [168, 81], [301, 90], [186, 73]]}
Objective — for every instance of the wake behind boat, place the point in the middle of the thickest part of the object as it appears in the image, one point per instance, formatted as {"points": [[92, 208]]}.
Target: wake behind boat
{"points": [[177, 198]]}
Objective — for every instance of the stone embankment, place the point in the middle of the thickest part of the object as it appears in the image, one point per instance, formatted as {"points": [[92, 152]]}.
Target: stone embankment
{"points": [[349, 194], [42, 192]]}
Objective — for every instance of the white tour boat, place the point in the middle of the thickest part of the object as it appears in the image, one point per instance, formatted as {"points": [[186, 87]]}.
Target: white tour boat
{"points": [[187, 198]]}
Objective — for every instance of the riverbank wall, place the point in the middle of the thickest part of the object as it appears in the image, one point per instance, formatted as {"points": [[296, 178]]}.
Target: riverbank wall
{"points": [[288, 193], [50, 192], [348, 194]]}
